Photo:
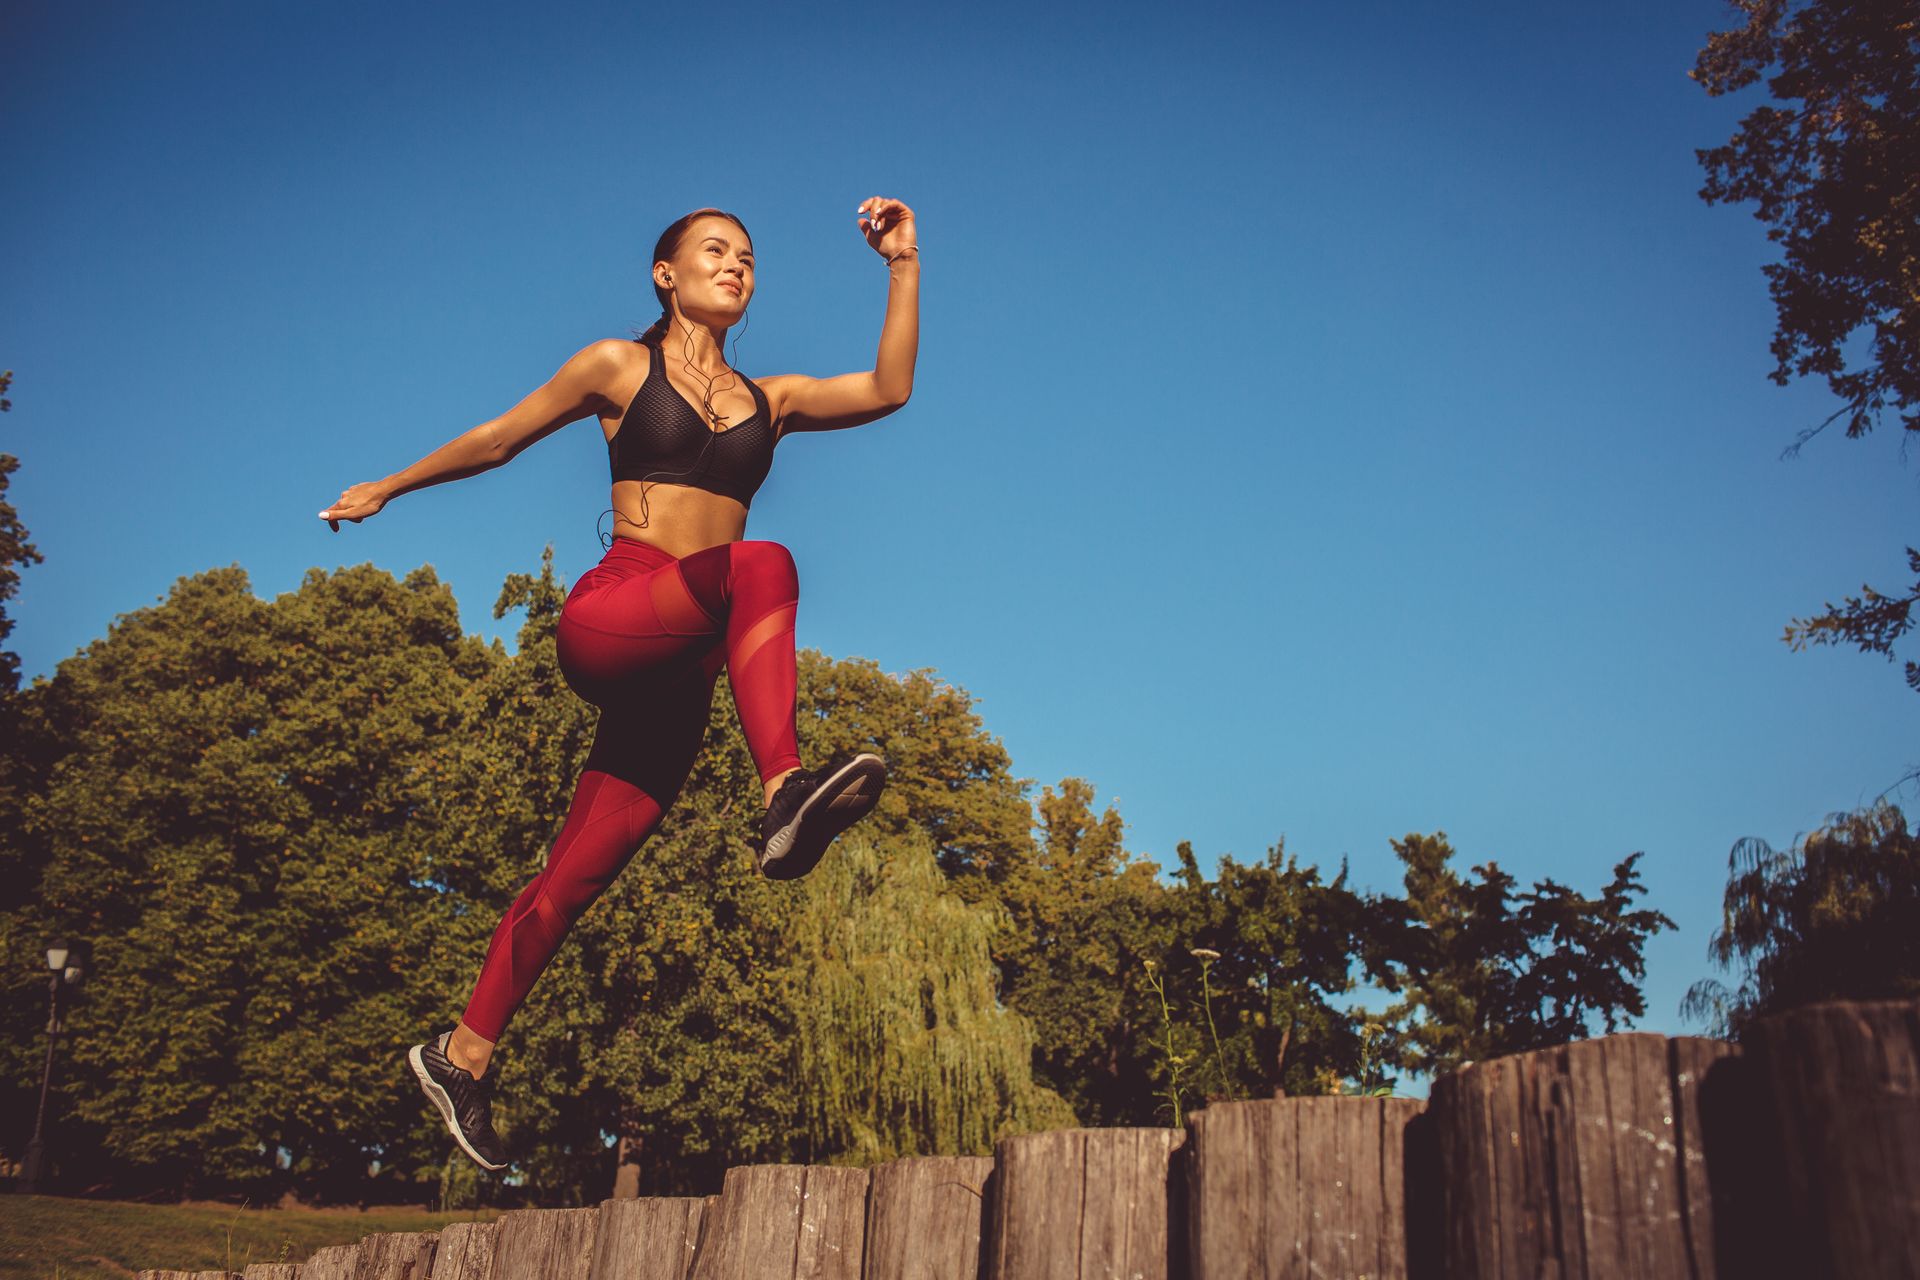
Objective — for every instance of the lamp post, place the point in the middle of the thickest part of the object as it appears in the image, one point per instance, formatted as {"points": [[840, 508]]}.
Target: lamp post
{"points": [[67, 966]]}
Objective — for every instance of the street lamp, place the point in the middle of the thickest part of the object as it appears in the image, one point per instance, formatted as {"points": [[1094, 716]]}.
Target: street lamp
{"points": [[67, 966]]}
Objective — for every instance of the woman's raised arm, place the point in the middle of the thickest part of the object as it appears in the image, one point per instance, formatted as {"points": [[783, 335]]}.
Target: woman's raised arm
{"points": [[827, 404], [578, 389]]}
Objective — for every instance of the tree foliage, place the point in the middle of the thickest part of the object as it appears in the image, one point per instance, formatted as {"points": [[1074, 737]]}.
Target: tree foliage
{"points": [[1833, 168], [1485, 971], [1288, 944], [16, 553], [1870, 621], [1835, 918], [291, 827], [1082, 916], [230, 822], [902, 1046]]}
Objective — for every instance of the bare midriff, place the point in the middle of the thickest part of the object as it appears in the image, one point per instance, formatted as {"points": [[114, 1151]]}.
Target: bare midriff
{"points": [[680, 519]]}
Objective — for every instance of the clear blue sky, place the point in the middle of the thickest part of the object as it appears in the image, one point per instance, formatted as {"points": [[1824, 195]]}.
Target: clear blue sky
{"points": [[1332, 421]]}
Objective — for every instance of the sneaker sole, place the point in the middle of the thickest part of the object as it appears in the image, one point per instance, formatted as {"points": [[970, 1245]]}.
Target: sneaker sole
{"points": [[841, 800], [439, 1098]]}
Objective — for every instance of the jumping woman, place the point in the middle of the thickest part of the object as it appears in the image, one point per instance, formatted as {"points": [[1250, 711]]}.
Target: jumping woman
{"points": [[678, 595]]}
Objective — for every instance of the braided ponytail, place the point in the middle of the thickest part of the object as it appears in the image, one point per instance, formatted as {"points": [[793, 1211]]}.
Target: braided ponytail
{"points": [[656, 331]]}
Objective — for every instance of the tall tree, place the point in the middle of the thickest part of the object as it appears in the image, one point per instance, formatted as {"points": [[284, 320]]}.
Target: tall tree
{"points": [[231, 825], [1084, 917], [1833, 166], [1836, 918], [27, 753], [1485, 971]]}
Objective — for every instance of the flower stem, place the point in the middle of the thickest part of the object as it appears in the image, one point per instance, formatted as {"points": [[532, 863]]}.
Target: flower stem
{"points": [[1219, 1058]]}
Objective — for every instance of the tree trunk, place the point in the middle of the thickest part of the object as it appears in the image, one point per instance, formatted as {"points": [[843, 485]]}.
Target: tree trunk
{"points": [[1280, 1060], [626, 1172]]}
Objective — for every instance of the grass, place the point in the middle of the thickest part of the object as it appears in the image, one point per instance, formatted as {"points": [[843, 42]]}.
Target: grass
{"points": [[56, 1238]]}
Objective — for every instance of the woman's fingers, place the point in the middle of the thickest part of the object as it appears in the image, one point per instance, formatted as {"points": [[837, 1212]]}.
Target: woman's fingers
{"points": [[355, 504], [878, 215]]}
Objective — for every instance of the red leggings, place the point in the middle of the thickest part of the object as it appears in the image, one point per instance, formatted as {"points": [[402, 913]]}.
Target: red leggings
{"points": [[643, 636]]}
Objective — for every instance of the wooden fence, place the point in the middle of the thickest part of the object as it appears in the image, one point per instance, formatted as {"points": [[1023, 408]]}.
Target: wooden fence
{"points": [[1627, 1156]]}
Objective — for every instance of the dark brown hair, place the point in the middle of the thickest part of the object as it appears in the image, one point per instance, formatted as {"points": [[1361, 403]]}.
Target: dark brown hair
{"points": [[663, 251]]}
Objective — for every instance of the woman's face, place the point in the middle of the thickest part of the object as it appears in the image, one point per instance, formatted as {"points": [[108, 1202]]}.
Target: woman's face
{"points": [[712, 271]]}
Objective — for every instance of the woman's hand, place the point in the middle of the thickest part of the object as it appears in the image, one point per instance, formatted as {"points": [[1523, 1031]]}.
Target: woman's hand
{"points": [[356, 504], [887, 225]]}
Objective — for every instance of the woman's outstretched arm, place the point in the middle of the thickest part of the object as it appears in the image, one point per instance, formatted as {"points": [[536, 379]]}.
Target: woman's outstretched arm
{"points": [[576, 390], [827, 404]]}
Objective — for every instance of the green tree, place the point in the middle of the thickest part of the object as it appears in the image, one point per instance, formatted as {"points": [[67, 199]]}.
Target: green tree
{"points": [[1084, 916], [902, 1047], [947, 777], [1287, 944], [16, 553], [230, 823], [27, 752], [1836, 918], [1485, 971], [1833, 166]]}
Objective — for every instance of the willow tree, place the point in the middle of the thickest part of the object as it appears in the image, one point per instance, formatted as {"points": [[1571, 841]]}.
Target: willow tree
{"points": [[1837, 917], [902, 1046]]}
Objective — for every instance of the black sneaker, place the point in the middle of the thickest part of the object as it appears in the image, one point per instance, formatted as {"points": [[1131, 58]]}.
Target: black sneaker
{"points": [[810, 809], [466, 1103]]}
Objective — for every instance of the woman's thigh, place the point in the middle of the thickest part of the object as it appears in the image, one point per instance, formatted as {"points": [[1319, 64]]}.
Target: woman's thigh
{"points": [[619, 629], [650, 732]]}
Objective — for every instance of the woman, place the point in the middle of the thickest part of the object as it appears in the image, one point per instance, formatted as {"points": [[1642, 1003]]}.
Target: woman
{"points": [[678, 595]]}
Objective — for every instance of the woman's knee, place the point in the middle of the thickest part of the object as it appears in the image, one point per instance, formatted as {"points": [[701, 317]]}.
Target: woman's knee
{"points": [[766, 561]]}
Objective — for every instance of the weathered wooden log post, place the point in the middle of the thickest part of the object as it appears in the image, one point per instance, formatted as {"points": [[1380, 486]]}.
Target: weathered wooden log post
{"points": [[554, 1244], [465, 1251], [648, 1238], [1844, 1084], [272, 1271], [1075, 1204], [924, 1216], [332, 1262], [1300, 1187], [397, 1255], [1575, 1162], [785, 1222]]}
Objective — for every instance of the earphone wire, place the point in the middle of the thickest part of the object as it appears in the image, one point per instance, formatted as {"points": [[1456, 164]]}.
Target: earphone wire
{"points": [[606, 539]]}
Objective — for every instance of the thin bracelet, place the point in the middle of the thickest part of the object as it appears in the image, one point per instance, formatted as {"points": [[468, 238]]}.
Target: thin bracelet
{"points": [[913, 249]]}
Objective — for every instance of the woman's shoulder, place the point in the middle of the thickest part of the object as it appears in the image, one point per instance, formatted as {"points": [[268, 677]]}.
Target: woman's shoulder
{"points": [[615, 359], [620, 350]]}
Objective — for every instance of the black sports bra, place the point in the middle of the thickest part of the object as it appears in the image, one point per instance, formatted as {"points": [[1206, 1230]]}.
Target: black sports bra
{"points": [[662, 438]]}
